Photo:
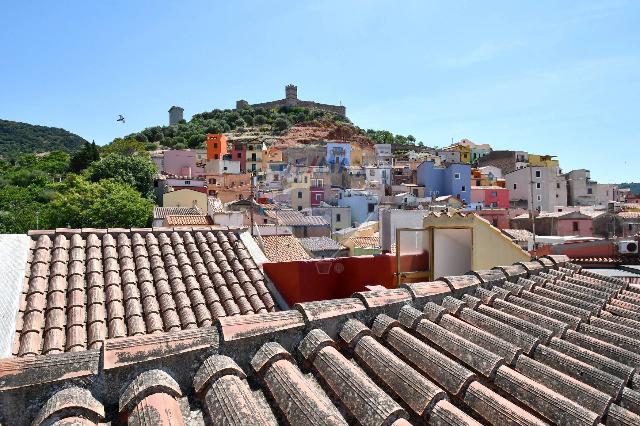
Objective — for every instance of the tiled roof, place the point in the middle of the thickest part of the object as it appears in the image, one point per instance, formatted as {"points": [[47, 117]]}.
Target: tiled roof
{"points": [[283, 248], [162, 212], [629, 215], [530, 344], [82, 288], [320, 244], [294, 218], [518, 235], [366, 242], [188, 220]]}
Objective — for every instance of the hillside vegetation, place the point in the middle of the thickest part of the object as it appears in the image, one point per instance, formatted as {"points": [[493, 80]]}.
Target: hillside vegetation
{"points": [[265, 123], [20, 138], [634, 186]]}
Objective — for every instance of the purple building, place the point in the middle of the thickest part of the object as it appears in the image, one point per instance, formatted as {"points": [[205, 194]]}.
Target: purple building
{"points": [[452, 179], [184, 162]]}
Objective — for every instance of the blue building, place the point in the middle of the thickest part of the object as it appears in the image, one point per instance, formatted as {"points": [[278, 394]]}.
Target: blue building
{"points": [[339, 154], [452, 179]]}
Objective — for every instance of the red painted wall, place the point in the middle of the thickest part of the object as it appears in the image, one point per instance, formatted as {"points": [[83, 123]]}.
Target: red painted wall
{"points": [[310, 280], [485, 196], [316, 191]]}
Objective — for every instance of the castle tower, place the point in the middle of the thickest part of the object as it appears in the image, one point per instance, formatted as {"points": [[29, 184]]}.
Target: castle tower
{"points": [[291, 94], [175, 115]]}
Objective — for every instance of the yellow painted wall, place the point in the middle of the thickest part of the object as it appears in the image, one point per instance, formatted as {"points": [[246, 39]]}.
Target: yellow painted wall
{"points": [[490, 246], [185, 198], [465, 152], [542, 161]]}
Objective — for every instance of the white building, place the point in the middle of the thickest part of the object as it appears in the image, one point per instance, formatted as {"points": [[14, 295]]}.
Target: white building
{"points": [[548, 186], [222, 166]]}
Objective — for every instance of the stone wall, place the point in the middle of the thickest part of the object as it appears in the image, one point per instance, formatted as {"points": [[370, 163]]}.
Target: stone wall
{"points": [[292, 100]]}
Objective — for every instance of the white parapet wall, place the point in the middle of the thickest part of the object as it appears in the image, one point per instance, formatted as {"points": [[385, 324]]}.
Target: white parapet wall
{"points": [[14, 249]]}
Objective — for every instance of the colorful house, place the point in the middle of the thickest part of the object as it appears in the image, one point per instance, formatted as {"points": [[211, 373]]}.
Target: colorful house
{"points": [[452, 179], [490, 196], [464, 150], [239, 153], [543, 160], [216, 146], [339, 154]]}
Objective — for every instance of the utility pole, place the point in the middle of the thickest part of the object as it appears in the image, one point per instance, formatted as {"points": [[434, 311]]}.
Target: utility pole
{"points": [[251, 202], [531, 212]]}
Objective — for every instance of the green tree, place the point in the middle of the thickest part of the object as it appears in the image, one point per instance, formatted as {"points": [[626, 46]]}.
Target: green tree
{"points": [[137, 171], [128, 146], [103, 204], [20, 209], [280, 124], [83, 158]]}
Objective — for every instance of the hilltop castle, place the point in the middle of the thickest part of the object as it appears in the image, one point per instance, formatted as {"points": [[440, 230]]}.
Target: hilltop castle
{"points": [[291, 100]]}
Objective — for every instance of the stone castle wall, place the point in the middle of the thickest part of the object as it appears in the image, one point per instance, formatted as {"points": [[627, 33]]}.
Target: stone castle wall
{"points": [[292, 101]]}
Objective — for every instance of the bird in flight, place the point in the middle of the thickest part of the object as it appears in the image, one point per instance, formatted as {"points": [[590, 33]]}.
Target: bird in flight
{"points": [[120, 118]]}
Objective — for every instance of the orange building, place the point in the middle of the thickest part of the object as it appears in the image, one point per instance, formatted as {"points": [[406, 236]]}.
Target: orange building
{"points": [[216, 146]]}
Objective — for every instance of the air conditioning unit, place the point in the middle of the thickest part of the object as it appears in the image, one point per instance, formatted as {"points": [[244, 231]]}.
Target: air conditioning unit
{"points": [[628, 247]]}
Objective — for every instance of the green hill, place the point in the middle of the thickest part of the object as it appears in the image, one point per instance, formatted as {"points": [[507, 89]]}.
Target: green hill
{"points": [[192, 134], [19, 138], [266, 123]]}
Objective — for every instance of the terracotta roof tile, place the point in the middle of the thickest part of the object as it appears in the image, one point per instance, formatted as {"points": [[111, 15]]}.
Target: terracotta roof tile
{"points": [[458, 354], [82, 289], [283, 248], [295, 218]]}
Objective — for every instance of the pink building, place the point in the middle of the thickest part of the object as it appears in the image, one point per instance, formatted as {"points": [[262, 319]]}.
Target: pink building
{"points": [[490, 196], [239, 153], [182, 163]]}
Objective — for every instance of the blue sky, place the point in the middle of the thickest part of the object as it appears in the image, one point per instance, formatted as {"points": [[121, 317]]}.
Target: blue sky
{"points": [[542, 76]]}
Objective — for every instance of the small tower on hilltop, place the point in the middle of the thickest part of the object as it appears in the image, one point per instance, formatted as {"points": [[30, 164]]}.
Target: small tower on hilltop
{"points": [[291, 94], [175, 115]]}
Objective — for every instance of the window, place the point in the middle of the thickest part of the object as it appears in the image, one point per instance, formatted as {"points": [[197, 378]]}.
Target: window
{"points": [[253, 167], [515, 186], [239, 155], [494, 193], [558, 185], [631, 227], [224, 168], [539, 197], [215, 145], [576, 226], [557, 196], [250, 147], [187, 182], [318, 197], [338, 217], [456, 175], [589, 191], [463, 189], [212, 181], [538, 173], [306, 179], [372, 172], [253, 156], [216, 156], [538, 185], [371, 207], [299, 194], [300, 209], [477, 182]]}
